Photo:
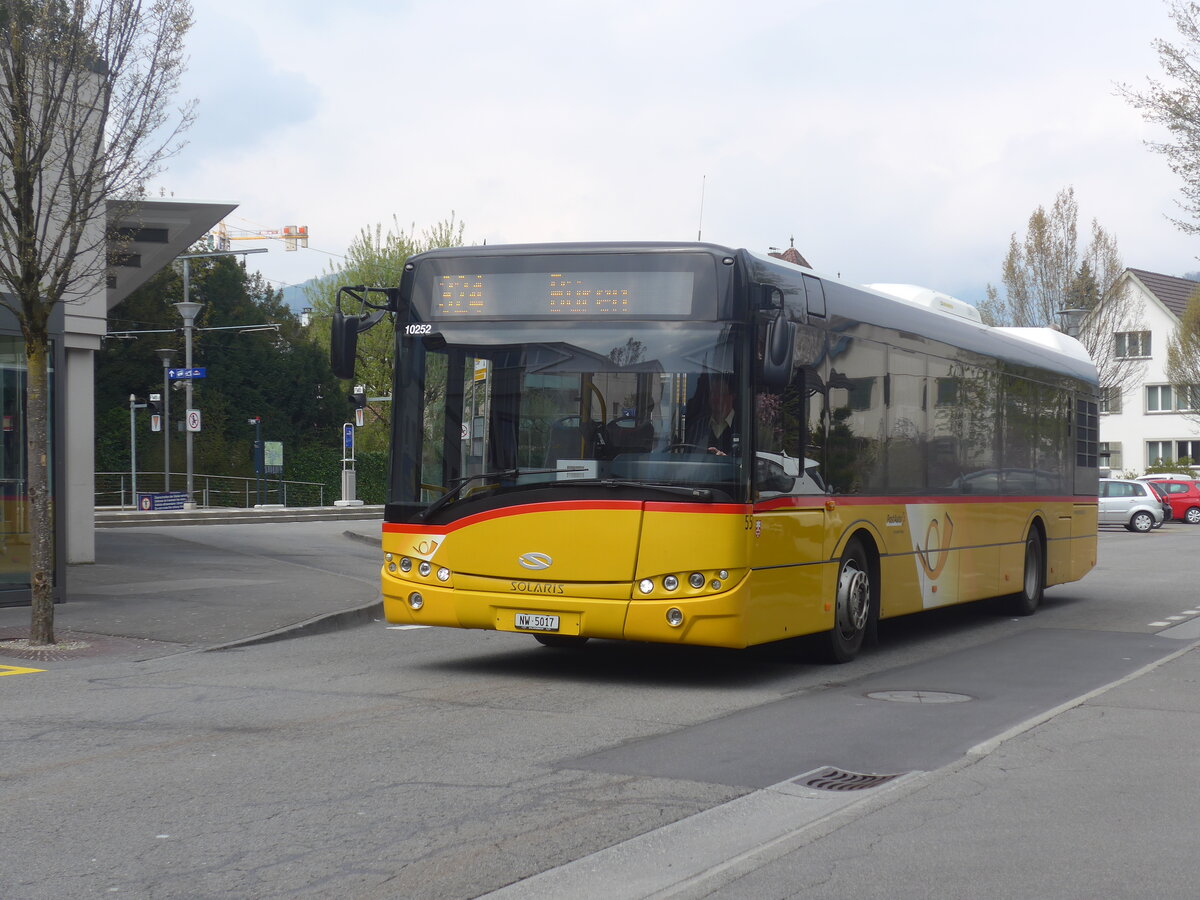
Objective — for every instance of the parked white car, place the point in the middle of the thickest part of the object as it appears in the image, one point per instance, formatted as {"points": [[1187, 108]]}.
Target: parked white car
{"points": [[1130, 503]]}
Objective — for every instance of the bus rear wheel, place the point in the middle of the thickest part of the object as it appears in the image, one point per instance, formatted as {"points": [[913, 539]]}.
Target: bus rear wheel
{"points": [[1033, 581], [561, 641], [853, 606]]}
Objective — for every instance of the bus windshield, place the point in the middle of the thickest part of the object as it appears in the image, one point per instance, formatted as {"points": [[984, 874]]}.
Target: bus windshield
{"points": [[651, 407]]}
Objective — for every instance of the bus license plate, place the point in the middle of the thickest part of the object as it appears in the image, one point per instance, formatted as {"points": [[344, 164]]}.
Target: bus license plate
{"points": [[536, 622]]}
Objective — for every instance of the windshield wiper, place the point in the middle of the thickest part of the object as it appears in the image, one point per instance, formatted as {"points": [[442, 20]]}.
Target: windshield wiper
{"points": [[456, 488], [679, 490], [694, 493]]}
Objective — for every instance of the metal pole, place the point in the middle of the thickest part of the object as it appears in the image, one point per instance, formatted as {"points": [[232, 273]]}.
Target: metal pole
{"points": [[258, 459], [133, 445], [187, 364], [166, 355], [188, 310]]}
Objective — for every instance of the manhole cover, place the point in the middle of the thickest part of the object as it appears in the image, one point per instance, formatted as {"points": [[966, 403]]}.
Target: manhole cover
{"points": [[831, 779], [919, 697]]}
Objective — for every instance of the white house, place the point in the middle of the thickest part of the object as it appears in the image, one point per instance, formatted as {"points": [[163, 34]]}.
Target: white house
{"points": [[1144, 426]]}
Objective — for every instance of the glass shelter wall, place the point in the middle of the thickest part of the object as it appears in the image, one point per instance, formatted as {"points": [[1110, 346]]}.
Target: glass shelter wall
{"points": [[14, 507]]}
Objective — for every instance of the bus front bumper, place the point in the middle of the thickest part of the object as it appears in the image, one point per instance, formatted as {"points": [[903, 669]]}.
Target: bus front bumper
{"points": [[715, 620]]}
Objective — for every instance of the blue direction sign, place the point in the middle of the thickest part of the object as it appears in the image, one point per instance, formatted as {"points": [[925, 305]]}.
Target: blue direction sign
{"points": [[180, 374]]}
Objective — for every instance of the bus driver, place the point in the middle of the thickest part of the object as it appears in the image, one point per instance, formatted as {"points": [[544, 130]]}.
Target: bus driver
{"points": [[713, 424]]}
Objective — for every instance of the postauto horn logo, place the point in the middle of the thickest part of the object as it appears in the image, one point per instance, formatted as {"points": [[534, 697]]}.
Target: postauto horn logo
{"points": [[535, 561]]}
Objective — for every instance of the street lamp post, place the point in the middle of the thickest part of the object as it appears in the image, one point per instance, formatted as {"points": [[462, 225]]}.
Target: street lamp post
{"points": [[166, 354], [188, 310], [1072, 320]]}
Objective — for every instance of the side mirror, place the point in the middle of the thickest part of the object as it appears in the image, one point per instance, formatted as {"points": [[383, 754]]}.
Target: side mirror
{"points": [[778, 352], [343, 331], [343, 344]]}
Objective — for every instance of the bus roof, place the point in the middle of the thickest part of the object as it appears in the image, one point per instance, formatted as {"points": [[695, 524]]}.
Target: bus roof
{"points": [[948, 321]]}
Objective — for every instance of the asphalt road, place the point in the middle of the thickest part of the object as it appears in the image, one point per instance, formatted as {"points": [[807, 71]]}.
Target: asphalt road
{"points": [[380, 762]]}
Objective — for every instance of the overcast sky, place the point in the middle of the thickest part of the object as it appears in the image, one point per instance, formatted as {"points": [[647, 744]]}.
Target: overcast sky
{"points": [[895, 141]]}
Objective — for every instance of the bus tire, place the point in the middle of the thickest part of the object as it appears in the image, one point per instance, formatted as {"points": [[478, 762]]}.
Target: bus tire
{"points": [[854, 605], [1033, 578], [560, 641]]}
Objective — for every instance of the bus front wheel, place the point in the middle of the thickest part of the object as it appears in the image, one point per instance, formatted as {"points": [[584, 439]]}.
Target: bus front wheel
{"points": [[853, 605]]}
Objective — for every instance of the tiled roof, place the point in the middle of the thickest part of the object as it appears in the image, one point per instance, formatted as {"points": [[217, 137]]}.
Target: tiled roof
{"points": [[792, 255], [1171, 291]]}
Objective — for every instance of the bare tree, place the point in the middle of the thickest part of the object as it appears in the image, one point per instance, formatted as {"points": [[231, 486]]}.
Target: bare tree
{"points": [[1175, 104], [1183, 358], [85, 88], [1047, 273]]}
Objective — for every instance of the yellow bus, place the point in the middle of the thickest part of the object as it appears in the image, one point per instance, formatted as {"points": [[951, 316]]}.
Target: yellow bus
{"points": [[690, 444]]}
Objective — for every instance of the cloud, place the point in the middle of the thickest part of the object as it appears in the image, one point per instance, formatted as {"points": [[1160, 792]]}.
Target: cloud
{"points": [[896, 142]]}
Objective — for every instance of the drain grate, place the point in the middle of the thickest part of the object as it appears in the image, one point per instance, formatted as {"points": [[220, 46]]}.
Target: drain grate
{"points": [[831, 779]]}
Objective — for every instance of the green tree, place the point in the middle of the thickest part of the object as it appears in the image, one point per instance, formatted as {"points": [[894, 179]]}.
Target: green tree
{"points": [[282, 376], [376, 258], [1174, 103], [1048, 272], [85, 119]]}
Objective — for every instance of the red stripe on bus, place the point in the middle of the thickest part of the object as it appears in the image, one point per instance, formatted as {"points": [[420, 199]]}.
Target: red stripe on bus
{"points": [[819, 501], [570, 506]]}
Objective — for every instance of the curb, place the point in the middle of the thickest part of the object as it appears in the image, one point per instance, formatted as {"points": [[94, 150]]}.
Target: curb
{"points": [[322, 624]]}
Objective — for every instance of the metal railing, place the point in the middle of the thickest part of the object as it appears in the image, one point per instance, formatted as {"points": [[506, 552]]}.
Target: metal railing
{"points": [[115, 489]]}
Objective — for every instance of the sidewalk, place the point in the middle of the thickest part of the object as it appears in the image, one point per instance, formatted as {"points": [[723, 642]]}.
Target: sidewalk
{"points": [[244, 578]]}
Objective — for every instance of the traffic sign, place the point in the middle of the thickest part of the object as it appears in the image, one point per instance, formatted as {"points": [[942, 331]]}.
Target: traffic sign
{"points": [[193, 420], [186, 374]]}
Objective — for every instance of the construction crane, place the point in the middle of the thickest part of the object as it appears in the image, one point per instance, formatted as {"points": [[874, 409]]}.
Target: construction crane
{"points": [[293, 236]]}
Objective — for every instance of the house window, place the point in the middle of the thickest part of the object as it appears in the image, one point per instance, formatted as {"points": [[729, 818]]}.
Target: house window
{"points": [[1164, 398], [1160, 453], [1187, 450], [1110, 400], [1132, 344], [1159, 398], [1110, 456]]}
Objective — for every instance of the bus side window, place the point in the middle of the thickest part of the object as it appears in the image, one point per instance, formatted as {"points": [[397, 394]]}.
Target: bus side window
{"points": [[815, 292]]}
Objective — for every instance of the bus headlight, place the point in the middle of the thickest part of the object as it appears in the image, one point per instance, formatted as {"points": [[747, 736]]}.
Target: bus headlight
{"points": [[415, 600], [670, 582], [645, 585], [674, 617], [696, 580], [424, 568], [405, 564], [443, 574], [391, 567]]}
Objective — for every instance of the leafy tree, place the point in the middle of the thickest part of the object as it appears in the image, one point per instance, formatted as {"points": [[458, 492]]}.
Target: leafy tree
{"points": [[282, 376], [85, 119], [1047, 272], [1183, 357], [1175, 104], [376, 259]]}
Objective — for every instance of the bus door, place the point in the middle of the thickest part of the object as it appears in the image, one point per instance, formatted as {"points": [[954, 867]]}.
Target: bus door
{"points": [[790, 536]]}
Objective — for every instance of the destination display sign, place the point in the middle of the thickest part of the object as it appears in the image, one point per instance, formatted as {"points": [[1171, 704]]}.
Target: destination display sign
{"points": [[484, 286], [562, 292]]}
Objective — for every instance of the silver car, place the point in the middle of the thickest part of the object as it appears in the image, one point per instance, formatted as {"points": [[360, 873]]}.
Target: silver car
{"points": [[1130, 503]]}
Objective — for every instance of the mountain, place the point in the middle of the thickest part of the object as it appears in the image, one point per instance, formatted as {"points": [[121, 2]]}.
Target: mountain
{"points": [[294, 294]]}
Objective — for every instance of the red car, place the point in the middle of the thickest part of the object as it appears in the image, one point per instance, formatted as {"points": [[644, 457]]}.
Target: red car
{"points": [[1184, 497]]}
